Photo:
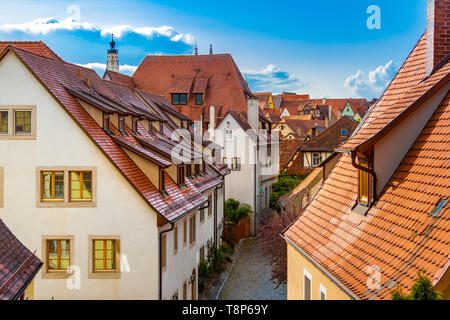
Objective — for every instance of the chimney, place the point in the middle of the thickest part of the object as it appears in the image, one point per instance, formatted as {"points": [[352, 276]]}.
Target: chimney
{"points": [[212, 124], [438, 32], [253, 113], [313, 131]]}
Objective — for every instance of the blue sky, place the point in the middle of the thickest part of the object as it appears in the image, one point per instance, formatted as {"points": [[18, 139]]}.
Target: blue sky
{"points": [[323, 48]]}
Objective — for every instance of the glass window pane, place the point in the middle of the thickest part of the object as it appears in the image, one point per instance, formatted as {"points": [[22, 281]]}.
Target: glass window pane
{"points": [[183, 98], [46, 185], [59, 185], [4, 122], [98, 265], [22, 121], [98, 244], [98, 254]]}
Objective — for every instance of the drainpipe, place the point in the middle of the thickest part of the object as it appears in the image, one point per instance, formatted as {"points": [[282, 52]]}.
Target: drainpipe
{"points": [[369, 171], [215, 213], [255, 186], [172, 225]]}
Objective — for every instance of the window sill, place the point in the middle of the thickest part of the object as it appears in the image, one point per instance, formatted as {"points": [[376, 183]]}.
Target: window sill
{"points": [[104, 275], [66, 204], [56, 275]]}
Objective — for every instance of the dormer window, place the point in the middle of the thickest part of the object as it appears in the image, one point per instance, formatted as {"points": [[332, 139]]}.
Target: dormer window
{"points": [[181, 175], [106, 122], [122, 124], [150, 128], [344, 132], [162, 182], [179, 98], [197, 169], [188, 170], [135, 125], [365, 185], [198, 99]]}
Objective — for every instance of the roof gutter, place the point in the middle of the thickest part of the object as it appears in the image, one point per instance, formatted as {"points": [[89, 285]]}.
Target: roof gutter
{"points": [[333, 279]]}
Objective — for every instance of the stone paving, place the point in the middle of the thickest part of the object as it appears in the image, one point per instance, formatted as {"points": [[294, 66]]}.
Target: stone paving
{"points": [[250, 277]]}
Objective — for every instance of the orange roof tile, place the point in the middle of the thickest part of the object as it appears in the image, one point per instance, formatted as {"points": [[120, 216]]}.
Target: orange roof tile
{"points": [[225, 88], [398, 234]]}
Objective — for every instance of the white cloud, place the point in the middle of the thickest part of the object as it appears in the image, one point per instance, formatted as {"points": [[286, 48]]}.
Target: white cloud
{"points": [[273, 79], [44, 26], [373, 85], [101, 67]]}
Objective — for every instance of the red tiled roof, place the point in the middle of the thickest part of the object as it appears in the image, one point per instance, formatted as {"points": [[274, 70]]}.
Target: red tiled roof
{"points": [[331, 138], [37, 47], [226, 89], [301, 127], [407, 87], [18, 265], [119, 78], [399, 234]]}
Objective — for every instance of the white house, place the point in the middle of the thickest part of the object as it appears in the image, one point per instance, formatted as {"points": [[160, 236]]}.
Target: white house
{"points": [[89, 182], [251, 151]]}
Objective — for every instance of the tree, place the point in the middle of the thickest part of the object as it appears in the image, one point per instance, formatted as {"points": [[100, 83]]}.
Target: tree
{"points": [[235, 211], [283, 186], [422, 289], [274, 246]]}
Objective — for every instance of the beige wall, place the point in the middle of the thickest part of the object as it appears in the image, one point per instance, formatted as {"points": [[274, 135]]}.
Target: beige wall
{"points": [[296, 266], [119, 211], [398, 141]]}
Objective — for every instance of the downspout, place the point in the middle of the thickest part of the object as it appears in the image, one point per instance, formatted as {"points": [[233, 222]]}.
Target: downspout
{"points": [[369, 171], [172, 225], [215, 212]]}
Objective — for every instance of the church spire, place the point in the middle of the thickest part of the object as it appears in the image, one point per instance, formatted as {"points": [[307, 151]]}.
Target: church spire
{"points": [[210, 49], [112, 60]]}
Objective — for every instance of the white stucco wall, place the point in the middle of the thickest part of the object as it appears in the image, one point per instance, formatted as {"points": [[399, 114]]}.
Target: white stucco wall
{"points": [[119, 211], [180, 266]]}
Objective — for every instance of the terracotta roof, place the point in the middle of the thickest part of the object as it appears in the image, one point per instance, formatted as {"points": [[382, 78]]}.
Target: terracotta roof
{"points": [[287, 150], [407, 87], [18, 265], [37, 47], [200, 84], [400, 234], [225, 88], [301, 189], [119, 78], [241, 119], [59, 76], [301, 127], [331, 138]]}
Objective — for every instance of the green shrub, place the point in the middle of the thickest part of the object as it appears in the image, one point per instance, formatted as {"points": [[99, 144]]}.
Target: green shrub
{"points": [[235, 211], [422, 289], [283, 186]]}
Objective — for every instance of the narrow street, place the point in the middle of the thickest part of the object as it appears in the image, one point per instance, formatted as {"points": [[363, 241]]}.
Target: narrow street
{"points": [[250, 277]]}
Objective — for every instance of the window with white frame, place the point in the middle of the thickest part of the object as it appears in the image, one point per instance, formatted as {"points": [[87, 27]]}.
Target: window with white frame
{"points": [[307, 285], [323, 292], [228, 133], [315, 159]]}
